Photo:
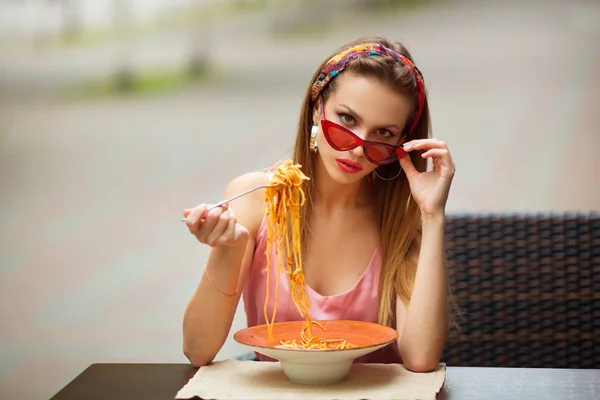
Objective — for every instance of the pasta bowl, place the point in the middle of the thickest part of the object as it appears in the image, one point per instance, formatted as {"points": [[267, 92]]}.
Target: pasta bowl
{"points": [[317, 366]]}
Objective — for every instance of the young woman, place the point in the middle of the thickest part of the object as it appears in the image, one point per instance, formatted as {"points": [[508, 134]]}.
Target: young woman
{"points": [[373, 224]]}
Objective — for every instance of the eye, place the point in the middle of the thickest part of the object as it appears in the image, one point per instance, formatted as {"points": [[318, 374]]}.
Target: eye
{"points": [[385, 133], [346, 118]]}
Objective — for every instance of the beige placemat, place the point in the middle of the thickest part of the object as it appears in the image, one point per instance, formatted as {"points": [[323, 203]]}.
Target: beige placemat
{"points": [[254, 380]]}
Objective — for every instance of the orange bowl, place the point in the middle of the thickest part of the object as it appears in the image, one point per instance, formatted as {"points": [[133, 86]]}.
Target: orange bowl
{"points": [[317, 366], [363, 335]]}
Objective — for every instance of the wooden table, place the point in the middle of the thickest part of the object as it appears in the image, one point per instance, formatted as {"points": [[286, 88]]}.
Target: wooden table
{"points": [[162, 381]]}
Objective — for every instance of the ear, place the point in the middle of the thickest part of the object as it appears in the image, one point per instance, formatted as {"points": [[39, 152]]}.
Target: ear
{"points": [[316, 115]]}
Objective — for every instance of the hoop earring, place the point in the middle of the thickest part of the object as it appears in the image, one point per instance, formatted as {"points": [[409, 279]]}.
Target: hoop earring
{"points": [[387, 179], [313, 138]]}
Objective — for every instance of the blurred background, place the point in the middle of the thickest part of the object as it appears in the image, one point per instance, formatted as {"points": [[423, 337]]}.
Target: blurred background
{"points": [[117, 114]]}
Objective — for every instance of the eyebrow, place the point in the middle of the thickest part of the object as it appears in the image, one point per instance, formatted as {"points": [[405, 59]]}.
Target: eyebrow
{"points": [[357, 116]]}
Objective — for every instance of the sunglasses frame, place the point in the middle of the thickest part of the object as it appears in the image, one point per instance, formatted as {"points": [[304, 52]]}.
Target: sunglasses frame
{"points": [[397, 151]]}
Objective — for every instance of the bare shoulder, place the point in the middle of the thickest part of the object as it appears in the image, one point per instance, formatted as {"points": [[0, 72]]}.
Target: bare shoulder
{"points": [[249, 208], [245, 182]]}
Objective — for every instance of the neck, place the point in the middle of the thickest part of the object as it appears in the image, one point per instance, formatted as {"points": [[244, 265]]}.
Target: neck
{"points": [[331, 195]]}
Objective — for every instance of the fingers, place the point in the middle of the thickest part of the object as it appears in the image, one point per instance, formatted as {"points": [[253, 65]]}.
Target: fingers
{"points": [[194, 217], [240, 232], [434, 149], [229, 231], [436, 153], [215, 227], [424, 144], [408, 167], [210, 223], [218, 229], [233, 232], [441, 160]]}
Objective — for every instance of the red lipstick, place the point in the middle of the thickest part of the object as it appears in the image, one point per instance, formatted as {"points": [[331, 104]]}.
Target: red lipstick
{"points": [[348, 166]]}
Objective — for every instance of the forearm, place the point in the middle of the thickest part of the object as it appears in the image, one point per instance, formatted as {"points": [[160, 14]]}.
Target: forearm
{"points": [[210, 312], [425, 327]]}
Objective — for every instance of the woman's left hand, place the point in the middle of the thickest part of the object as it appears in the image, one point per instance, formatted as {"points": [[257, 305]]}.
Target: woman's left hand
{"points": [[429, 189]]}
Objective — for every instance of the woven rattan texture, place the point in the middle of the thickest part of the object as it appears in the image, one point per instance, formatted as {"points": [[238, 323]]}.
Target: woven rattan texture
{"points": [[528, 289]]}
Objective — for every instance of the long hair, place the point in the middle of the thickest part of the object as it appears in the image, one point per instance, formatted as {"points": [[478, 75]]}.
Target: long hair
{"points": [[399, 216]]}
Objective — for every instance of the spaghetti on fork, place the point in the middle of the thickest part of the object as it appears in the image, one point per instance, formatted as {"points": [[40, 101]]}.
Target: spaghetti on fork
{"points": [[283, 199]]}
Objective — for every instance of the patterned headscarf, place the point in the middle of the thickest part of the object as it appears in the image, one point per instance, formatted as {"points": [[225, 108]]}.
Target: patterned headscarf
{"points": [[338, 63]]}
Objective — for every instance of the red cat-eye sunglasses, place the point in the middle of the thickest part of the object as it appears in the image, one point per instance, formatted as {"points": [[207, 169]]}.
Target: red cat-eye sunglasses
{"points": [[342, 139]]}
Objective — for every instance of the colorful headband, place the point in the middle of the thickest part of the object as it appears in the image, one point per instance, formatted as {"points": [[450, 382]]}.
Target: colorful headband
{"points": [[338, 63]]}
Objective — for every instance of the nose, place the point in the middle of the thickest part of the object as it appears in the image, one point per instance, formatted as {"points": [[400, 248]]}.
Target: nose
{"points": [[358, 151]]}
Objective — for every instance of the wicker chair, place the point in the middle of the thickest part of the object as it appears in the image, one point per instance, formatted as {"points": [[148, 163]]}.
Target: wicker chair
{"points": [[528, 288]]}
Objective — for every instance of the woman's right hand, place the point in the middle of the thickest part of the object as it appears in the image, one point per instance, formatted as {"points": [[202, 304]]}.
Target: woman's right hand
{"points": [[217, 227]]}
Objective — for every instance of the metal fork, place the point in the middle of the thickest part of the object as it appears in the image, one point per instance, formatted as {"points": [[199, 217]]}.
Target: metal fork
{"points": [[220, 203]]}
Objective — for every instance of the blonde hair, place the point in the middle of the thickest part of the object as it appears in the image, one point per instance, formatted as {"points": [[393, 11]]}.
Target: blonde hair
{"points": [[399, 216]]}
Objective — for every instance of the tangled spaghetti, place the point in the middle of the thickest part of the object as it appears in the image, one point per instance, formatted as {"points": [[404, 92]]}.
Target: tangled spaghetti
{"points": [[283, 198], [307, 341]]}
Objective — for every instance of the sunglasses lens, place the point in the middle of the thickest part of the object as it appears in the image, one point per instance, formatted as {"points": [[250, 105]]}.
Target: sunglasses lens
{"points": [[380, 154], [340, 139]]}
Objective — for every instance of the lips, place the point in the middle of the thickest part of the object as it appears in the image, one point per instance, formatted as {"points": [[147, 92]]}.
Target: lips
{"points": [[348, 166]]}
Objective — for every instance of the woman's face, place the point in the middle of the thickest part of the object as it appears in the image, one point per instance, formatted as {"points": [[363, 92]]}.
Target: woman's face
{"points": [[372, 111]]}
